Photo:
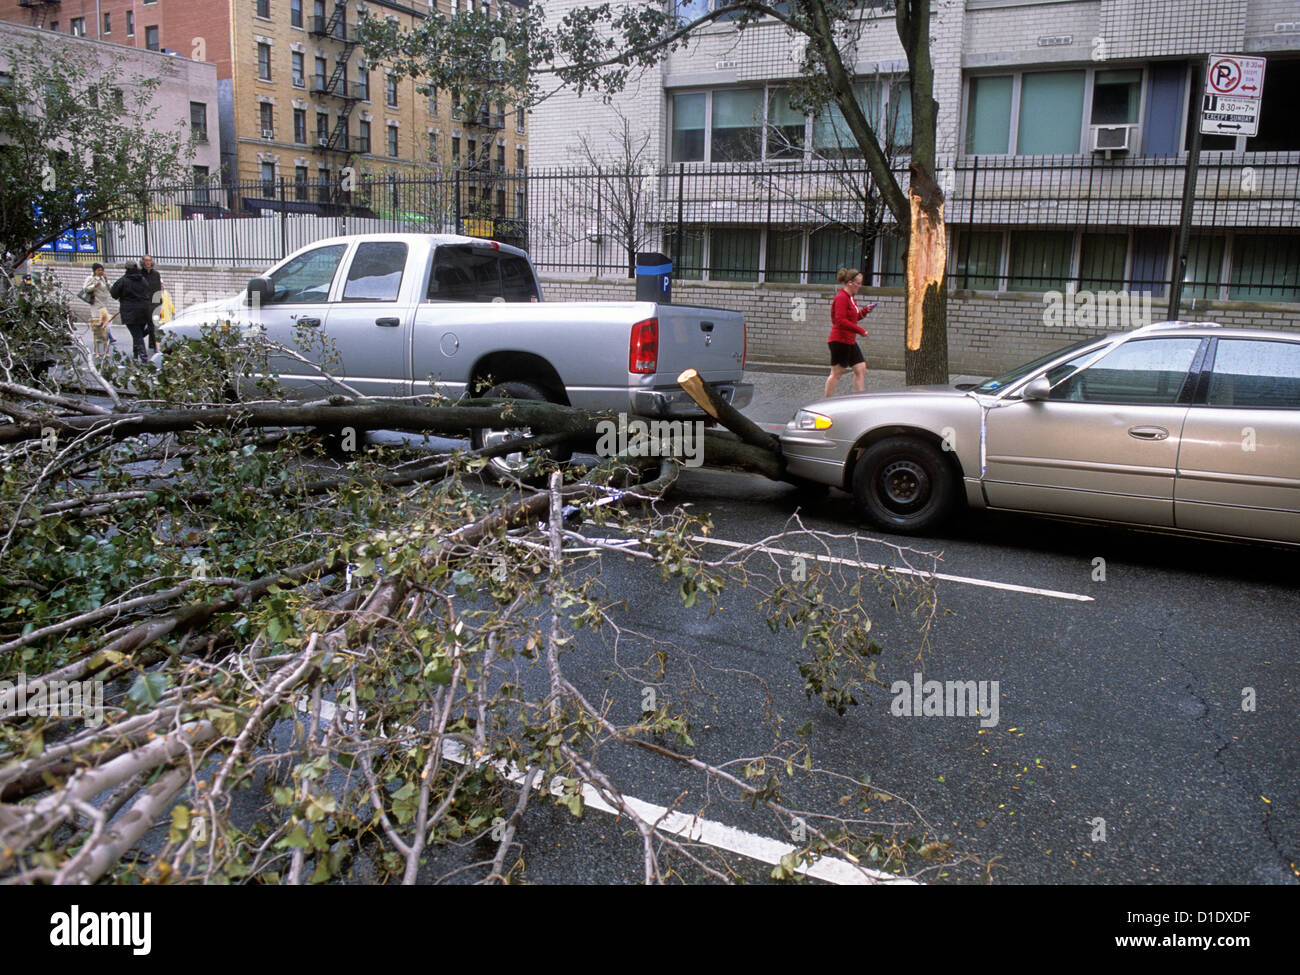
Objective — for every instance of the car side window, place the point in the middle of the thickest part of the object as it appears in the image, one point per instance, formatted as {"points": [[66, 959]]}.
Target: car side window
{"points": [[1144, 371], [462, 273], [1254, 373], [307, 277], [376, 272]]}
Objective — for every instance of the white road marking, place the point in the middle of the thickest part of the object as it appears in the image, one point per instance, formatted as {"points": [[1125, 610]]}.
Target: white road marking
{"points": [[694, 829], [874, 566]]}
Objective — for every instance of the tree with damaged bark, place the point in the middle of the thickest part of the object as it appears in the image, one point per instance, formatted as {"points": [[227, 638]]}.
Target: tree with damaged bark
{"points": [[598, 48], [228, 657]]}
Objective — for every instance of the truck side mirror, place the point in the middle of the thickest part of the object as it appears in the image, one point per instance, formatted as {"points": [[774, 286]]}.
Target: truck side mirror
{"points": [[259, 292]]}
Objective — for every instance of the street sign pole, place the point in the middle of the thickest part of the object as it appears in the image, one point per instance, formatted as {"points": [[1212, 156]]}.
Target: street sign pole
{"points": [[1189, 191]]}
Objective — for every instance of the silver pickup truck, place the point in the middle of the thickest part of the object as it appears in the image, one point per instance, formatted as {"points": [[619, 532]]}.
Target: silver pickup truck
{"points": [[405, 313]]}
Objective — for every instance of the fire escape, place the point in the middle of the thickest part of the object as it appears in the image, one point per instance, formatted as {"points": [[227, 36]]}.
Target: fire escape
{"points": [[39, 9], [335, 28]]}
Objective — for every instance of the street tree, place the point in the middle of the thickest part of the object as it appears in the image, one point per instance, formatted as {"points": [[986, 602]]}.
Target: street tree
{"points": [[597, 49], [76, 145]]}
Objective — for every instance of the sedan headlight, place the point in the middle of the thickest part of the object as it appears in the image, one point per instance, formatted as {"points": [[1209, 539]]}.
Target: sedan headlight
{"points": [[808, 420]]}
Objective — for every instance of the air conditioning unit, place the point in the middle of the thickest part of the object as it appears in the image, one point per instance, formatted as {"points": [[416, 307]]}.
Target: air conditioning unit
{"points": [[1111, 138], [322, 140], [268, 133]]}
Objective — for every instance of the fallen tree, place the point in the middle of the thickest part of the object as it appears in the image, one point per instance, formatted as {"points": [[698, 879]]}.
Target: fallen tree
{"points": [[397, 658]]}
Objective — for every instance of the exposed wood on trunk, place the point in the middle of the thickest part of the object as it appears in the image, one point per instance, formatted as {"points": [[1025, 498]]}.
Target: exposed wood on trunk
{"points": [[707, 398], [927, 255]]}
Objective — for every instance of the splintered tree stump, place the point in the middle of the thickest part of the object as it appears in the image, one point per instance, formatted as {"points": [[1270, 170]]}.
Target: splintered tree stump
{"points": [[707, 398], [927, 253]]}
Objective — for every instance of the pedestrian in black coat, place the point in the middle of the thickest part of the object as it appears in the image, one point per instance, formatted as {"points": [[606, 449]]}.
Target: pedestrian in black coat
{"points": [[135, 300], [155, 299]]}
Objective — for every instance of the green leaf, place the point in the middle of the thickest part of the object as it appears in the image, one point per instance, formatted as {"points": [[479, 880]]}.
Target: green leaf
{"points": [[148, 689]]}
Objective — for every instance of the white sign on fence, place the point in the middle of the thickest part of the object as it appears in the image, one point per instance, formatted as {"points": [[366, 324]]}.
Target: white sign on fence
{"points": [[1234, 86]]}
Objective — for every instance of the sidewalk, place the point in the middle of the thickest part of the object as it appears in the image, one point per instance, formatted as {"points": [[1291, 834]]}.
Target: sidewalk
{"points": [[781, 389]]}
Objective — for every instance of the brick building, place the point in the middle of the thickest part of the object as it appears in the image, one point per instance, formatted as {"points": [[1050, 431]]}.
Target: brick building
{"points": [[296, 99], [1062, 132]]}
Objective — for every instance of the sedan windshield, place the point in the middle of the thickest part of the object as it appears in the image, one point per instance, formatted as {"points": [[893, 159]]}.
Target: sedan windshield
{"points": [[997, 383]]}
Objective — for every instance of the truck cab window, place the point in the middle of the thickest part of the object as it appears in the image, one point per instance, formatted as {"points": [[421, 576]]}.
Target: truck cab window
{"points": [[517, 281], [376, 272], [307, 277], [464, 274]]}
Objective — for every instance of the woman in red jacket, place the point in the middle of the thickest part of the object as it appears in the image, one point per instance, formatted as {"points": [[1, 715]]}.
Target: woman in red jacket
{"points": [[843, 341]]}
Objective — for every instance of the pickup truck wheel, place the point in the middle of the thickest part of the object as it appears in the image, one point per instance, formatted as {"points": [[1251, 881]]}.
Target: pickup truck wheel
{"points": [[903, 484], [513, 464]]}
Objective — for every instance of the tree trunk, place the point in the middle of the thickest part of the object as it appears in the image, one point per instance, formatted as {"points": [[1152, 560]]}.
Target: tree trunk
{"points": [[926, 345]]}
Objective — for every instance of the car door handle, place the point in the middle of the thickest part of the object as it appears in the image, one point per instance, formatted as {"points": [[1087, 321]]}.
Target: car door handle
{"points": [[1148, 433], [706, 326], [309, 322], [388, 322]]}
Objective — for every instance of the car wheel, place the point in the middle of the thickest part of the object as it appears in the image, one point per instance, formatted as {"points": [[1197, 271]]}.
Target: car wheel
{"points": [[903, 484], [512, 465]]}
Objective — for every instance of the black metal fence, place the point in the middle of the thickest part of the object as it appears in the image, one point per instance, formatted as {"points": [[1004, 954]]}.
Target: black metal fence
{"points": [[1018, 223]]}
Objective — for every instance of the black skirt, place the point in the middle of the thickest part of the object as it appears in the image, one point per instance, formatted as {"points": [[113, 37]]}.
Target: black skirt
{"points": [[845, 354]]}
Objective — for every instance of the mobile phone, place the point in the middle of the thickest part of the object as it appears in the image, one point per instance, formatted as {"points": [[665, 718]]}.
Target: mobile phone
{"points": [[872, 306]]}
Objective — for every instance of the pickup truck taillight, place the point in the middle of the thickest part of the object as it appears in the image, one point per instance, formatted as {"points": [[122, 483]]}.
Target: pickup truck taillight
{"points": [[643, 347]]}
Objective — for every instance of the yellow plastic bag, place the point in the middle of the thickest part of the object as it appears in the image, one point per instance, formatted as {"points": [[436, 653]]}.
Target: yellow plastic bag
{"points": [[166, 311]]}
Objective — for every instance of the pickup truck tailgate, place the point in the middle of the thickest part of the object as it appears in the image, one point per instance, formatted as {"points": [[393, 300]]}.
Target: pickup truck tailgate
{"points": [[709, 340]]}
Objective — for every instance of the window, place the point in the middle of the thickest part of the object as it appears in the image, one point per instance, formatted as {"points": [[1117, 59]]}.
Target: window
{"points": [[264, 9], [300, 182], [1277, 128], [501, 203], [501, 157], [737, 125], [267, 112], [1204, 274], [264, 61], [77, 26], [687, 253], [392, 140], [295, 13], [832, 138], [466, 273], [455, 149], [322, 127], [130, 23], [299, 69], [1044, 112], [979, 260], [519, 120], [201, 177], [300, 126], [376, 272], [1256, 375], [1145, 371], [688, 127], [108, 23], [1040, 260], [519, 158], [1115, 96], [830, 249], [1101, 262], [786, 126], [322, 71], [1051, 112], [363, 136], [151, 37], [363, 83], [307, 278], [323, 188], [433, 100], [268, 179], [199, 121], [784, 255], [1265, 268], [390, 91], [733, 254]]}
